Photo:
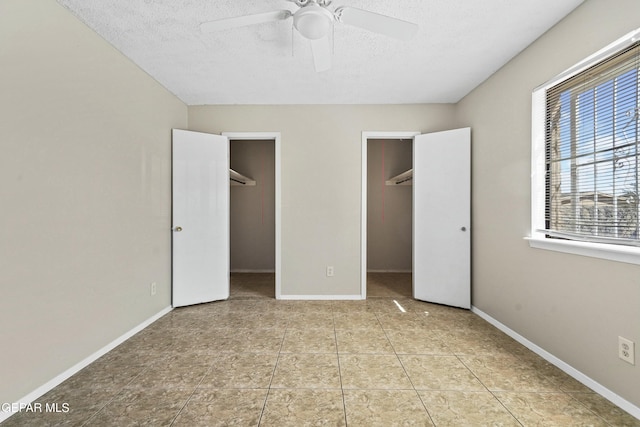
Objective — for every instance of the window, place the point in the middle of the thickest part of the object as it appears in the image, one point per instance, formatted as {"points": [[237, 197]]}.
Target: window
{"points": [[586, 151]]}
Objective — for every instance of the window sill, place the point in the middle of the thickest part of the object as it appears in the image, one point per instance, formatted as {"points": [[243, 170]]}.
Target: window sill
{"points": [[626, 254]]}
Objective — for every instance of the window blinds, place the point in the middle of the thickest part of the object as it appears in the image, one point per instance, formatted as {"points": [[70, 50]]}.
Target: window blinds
{"points": [[592, 152]]}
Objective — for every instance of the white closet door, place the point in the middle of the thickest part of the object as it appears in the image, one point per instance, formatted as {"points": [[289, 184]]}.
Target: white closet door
{"points": [[200, 217], [441, 217]]}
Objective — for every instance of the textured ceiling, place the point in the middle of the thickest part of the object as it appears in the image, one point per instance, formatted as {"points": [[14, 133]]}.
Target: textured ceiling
{"points": [[459, 44]]}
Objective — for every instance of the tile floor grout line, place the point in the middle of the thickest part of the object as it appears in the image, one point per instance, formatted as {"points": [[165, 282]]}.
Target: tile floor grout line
{"points": [[470, 370], [558, 391], [146, 367], [426, 409], [273, 373], [344, 401], [586, 407], [487, 388], [101, 408], [405, 371], [192, 393]]}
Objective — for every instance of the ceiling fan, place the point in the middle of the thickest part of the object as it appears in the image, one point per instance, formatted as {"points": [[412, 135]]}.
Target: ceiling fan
{"points": [[314, 21]]}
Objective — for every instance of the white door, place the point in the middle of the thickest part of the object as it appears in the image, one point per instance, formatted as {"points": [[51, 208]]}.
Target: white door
{"points": [[200, 218], [441, 217]]}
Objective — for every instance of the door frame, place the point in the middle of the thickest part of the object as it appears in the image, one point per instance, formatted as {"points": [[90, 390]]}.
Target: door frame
{"points": [[366, 136], [276, 138]]}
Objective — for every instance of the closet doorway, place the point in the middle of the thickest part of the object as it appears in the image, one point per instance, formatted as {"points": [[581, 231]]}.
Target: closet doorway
{"points": [[254, 216], [440, 178], [389, 218], [201, 180]]}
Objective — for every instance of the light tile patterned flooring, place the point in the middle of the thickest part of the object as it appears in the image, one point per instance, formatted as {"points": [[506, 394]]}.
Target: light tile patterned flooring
{"points": [[385, 361]]}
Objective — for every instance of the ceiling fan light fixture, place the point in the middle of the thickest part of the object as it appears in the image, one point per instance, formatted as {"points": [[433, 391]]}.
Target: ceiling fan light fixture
{"points": [[313, 22]]}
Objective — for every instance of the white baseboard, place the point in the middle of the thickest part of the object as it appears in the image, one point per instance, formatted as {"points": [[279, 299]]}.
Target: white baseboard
{"points": [[389, 271], [35, 394], [321, 297], [252, 271], [570, 370]]}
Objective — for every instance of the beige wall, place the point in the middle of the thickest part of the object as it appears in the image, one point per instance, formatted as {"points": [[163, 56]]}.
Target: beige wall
{"points": [[389, 208], [321, 179], [573, 307], [85, 172], [253, 221]]}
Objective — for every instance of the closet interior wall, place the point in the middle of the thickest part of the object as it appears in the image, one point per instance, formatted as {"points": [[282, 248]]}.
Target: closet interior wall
{"points": [[389, 207], [252, 208]]}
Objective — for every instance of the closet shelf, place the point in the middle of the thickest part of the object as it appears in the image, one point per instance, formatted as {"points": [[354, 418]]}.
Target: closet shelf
{"points": [[405, 178], [237, 179]]}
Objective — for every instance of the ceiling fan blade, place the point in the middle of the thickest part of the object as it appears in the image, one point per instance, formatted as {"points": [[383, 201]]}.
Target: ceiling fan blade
{"points": [[377, 23], [321, 49], [243, 21]]}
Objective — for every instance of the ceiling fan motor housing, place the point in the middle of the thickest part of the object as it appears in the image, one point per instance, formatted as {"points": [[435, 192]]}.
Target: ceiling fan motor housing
{"points": [[313, 21]]}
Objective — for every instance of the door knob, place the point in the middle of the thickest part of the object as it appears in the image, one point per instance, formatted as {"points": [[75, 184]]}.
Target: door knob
{"points": [[178, 228]]}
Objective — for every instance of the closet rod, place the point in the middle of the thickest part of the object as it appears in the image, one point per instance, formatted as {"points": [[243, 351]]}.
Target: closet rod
{"points": [[402, 179], [239, 179]]}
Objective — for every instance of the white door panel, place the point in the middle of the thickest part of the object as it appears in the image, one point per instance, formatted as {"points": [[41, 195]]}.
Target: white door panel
{"points": [[441, 217], [200, 217]]}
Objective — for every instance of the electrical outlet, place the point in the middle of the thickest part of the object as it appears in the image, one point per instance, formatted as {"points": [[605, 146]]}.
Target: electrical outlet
{"points": [[626, 350], [153, 288], [329, 271]]}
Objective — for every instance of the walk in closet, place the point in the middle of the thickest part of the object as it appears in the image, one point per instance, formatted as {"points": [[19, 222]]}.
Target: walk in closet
{"points": [[252, 217], [389, 217]]}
